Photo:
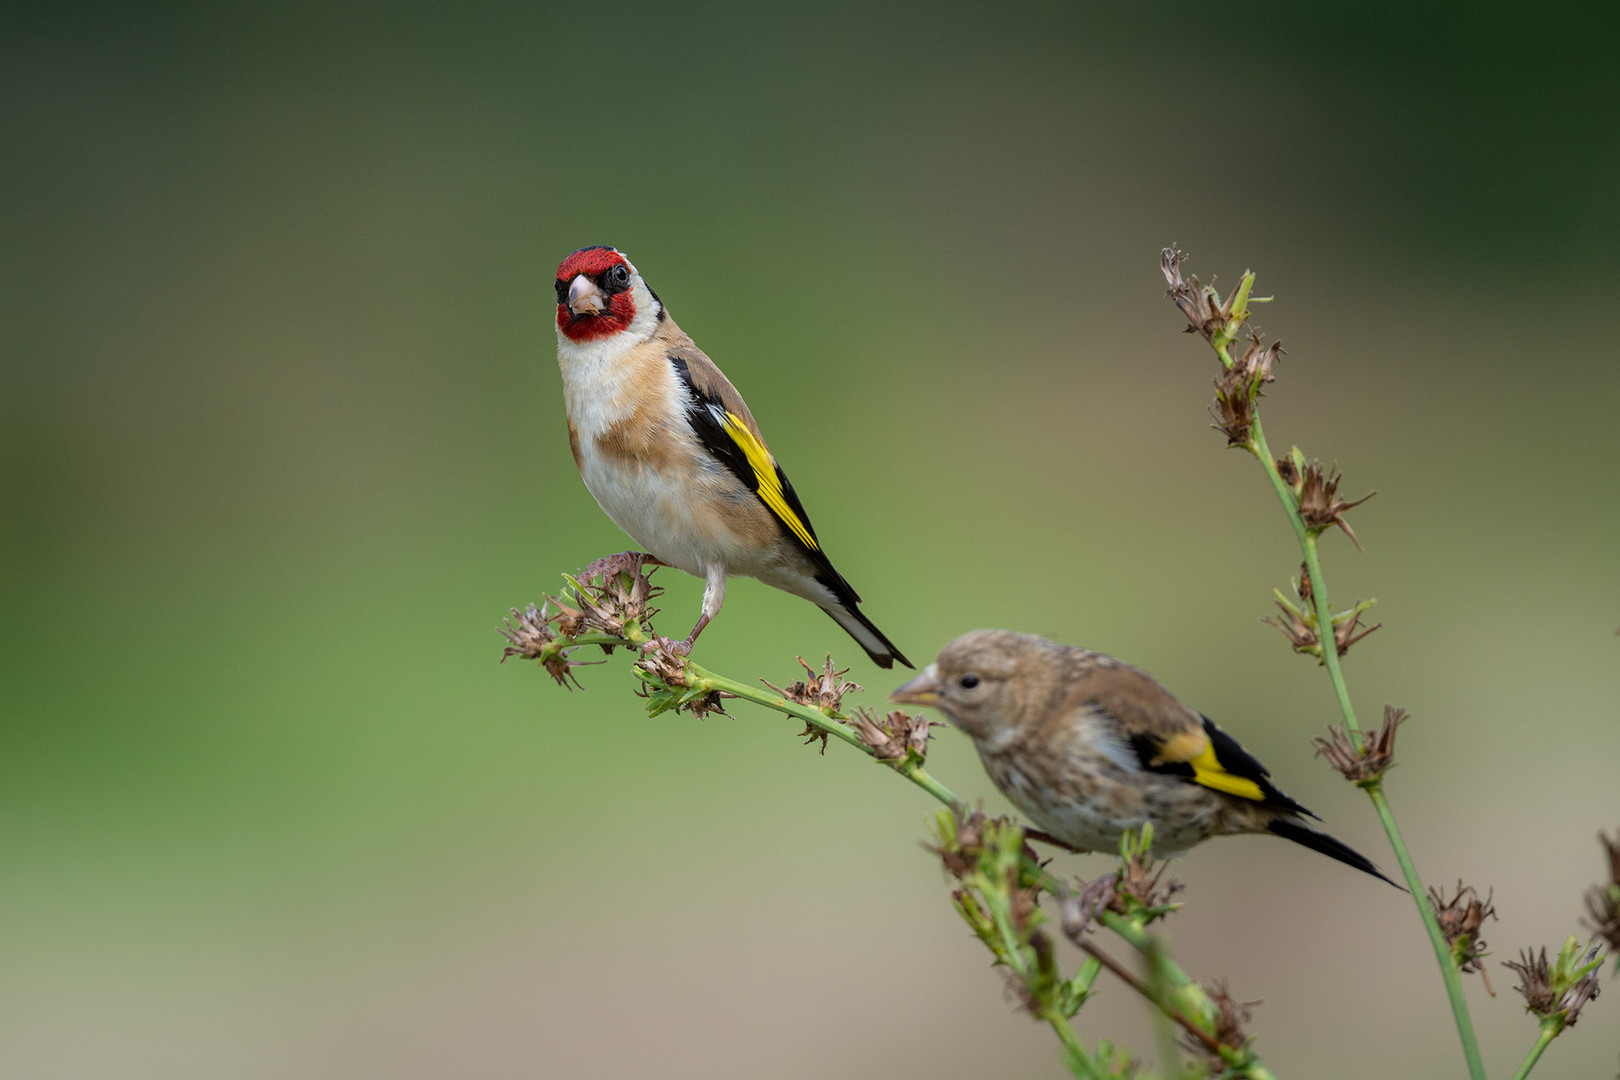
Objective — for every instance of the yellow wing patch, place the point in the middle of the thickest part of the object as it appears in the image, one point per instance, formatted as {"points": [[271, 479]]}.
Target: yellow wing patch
{"points": [[770, 485], [1208, 772]]}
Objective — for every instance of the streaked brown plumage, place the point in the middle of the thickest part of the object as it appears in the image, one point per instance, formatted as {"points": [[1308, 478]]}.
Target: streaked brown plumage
{"points": [[1089, 746]]}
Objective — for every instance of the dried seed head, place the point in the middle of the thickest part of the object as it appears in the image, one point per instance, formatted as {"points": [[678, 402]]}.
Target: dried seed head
{"points": [[1460, 919], [667, 684], [960, 851], [1258, 360], [1562, 988], [1238, 388], [534, 637], [619, 600], [1377, 753], [1023, 903], [529, 636], [1289, 473], [1206, 313], [1298, 622], [824, 689], [1230, 1015], [1138, 884], [1535, 981], [1233, 407], [1319, 504], [1297, 625], [896, 737], [1348, 629], [1603, 901]]}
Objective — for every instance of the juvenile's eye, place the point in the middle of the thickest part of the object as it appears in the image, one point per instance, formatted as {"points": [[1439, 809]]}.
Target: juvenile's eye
{"points": [[968, 682]]}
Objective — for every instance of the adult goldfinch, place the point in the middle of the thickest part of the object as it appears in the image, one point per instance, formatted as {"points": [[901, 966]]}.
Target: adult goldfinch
{"points": [[672, 454], [1088, 746]]}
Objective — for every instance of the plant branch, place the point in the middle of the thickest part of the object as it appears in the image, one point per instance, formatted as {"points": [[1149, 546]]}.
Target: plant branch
{"points": [[1374, 788], [1160, 1002], [1549, 1031], [1239, 393], [606, 619]]}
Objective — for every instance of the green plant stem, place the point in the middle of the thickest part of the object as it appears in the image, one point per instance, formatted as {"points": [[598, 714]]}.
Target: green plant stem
{"points": [[1015, 959], [1071, 1042], [1550, 1028], [1375, 791], [1083, 979], [912, 771], [634, 637], [1130, 931], [1437, 940], [1164, 1030]]}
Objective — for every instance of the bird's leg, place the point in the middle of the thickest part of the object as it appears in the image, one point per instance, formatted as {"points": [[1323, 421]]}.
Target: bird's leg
{"points": [[714, 595], [625, 562]]}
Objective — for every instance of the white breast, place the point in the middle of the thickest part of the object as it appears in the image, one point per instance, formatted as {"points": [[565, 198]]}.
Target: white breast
{"points": [[665, 514]]}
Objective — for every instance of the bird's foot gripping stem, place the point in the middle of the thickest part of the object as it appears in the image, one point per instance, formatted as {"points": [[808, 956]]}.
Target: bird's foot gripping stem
{"points": [[682, 649]]}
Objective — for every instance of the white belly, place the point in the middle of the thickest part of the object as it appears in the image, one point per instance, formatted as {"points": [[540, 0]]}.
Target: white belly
{"points": [[653, 510]]}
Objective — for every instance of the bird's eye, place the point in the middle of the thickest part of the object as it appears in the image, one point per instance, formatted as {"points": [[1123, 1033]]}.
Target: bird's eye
{"points": [[968, 682], [619, 276]]}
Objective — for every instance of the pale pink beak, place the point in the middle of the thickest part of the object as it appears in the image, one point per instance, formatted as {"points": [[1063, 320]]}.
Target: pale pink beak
{"points": [[923, 690], [584, 298]]}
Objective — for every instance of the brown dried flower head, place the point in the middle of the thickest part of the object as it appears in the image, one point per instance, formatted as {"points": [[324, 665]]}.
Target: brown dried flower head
{"points": [[1230, 1017], [963, 855], [895, 737], [1377, 753], [1141, 881], [529, 635], [1348, 628], [1560, 989], [1319, 504], [535, 634], [1239, 386], [1460, 919], [1206, 313], [1023, 903], [668, 684], [1298, 622], [1233, 408], [1603, 901], [823, 690], [614, 594], [1258, 360], [1535, 981]]}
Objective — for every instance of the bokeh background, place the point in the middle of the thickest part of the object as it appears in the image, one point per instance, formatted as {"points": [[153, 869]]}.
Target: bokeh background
{"points": [[283, 439]]}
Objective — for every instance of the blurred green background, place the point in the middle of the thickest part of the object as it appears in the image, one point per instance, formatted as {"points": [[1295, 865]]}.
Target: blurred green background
{"points": [[283, 439]]}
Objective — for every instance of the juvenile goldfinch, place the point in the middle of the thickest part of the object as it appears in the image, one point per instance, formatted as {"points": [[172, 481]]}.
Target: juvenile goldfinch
{"points": [[671, 453], [1088, 746]]}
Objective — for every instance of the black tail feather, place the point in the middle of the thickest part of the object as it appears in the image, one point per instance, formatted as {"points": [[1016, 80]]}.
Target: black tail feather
{"points": [[880, 649], [1289, 829]]}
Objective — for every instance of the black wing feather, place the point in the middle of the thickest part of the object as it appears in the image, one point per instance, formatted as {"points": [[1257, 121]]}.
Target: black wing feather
{"points": [[704, 416], [1239, 762]]}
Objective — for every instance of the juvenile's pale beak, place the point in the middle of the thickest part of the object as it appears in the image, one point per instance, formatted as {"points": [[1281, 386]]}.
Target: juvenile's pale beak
{"points": [[923, 690], [584, 298]]}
